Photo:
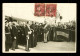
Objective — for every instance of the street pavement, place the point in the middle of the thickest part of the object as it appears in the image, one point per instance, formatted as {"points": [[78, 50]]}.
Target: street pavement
{"points": [[49, 47]]}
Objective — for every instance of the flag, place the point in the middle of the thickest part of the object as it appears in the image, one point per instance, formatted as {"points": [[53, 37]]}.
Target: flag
{"points": [[51, 10], [63, 33], [39, 9]]}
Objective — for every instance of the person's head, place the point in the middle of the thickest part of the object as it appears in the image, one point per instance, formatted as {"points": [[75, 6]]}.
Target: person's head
{"points": [[10, 24], [33, 22], [39, 24], [27, 22], [24, 23], [36, 23], [20, 24], [13, 24], [45, 22], [6, 23]]}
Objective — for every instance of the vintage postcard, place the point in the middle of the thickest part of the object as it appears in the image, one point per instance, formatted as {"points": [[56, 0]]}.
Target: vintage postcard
{"points": [[39, 27]]}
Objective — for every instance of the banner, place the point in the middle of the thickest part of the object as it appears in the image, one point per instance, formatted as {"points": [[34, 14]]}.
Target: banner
{"points": [[62, 34]]}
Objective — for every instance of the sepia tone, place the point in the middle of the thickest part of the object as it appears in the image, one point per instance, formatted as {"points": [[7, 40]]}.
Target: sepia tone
{"points": [[39, 27]]}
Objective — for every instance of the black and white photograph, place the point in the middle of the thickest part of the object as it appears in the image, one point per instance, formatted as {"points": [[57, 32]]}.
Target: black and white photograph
{"points": [[39, 27]]}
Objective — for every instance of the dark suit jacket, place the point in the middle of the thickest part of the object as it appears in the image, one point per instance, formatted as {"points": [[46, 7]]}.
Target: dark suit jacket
{"points": [[26, 30], [32, 26], [14, 31], [22, 30], [8, 36]]}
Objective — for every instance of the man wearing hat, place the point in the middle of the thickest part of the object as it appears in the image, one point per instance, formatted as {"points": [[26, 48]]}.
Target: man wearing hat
{"points": [[27, 34], [7, 36], [15, 33]]}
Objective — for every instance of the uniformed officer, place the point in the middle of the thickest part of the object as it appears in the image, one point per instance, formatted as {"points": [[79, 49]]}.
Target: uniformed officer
{"points": [[8, 36], [46, 31]]}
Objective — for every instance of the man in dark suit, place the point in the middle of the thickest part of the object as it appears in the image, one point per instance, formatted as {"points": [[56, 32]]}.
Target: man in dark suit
{"points": [[18, 28], [23, 34], [32, 34], [50, 34], [40, 32], [35, 34], [20, 33], [14, 38], [27, 29]]}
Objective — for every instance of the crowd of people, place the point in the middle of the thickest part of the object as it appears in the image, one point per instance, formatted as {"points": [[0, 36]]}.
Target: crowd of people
{"points": [[28, 35], [66, 25], [18, 34]]}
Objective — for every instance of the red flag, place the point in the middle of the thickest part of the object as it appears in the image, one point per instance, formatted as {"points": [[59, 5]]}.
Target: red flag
{"points": [[51, 10], [39, 9]]}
